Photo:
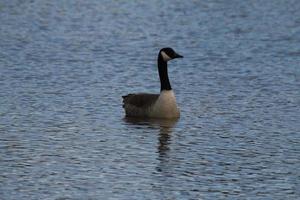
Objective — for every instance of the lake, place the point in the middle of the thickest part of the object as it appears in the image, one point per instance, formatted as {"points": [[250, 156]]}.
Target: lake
{"points": [[64, 66]]}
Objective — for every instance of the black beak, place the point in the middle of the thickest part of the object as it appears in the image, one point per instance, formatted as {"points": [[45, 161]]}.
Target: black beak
{"points": [[178, 56]]}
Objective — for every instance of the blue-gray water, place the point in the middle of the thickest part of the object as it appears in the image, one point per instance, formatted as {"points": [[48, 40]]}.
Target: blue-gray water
{"points": [[65, 64]]}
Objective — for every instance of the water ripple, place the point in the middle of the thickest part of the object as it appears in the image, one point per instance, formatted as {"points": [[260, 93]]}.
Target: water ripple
{"points": [[65, 65]]}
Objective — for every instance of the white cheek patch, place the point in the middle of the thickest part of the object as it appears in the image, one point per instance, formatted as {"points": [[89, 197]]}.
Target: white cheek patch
{"points": [[165, 56]]}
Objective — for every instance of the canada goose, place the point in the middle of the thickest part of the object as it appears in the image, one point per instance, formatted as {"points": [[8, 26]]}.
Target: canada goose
{"points": [[161, 105]]}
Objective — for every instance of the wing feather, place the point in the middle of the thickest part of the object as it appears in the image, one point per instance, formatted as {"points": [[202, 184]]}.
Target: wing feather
{"points": [[140, 100]]}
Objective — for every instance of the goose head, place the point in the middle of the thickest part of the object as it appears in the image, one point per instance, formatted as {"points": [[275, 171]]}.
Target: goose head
{"points": [[168, 54]]}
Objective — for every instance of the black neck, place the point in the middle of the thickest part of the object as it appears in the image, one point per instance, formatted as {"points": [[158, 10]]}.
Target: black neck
{"points": [[163, 74]]}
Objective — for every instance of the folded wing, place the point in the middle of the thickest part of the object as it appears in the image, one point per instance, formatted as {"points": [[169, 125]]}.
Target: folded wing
{"points": [[138, 105]]}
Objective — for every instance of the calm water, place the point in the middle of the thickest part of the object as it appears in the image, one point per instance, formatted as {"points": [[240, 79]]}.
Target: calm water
{"points": [[65, 64]]}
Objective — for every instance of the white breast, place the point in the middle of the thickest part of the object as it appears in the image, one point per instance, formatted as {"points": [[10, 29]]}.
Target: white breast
{"points": [[165, 106]]}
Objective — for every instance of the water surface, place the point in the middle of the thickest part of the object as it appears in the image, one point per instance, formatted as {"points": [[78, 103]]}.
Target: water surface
{"points": [[65, 64]]}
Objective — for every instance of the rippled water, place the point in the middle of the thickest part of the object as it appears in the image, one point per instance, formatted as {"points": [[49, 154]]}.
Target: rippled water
{"points": [[65, 64]]}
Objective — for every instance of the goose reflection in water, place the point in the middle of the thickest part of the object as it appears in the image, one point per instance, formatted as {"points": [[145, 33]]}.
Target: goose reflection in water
{"points": [[165, 131]]}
